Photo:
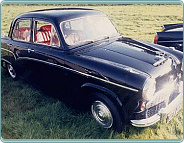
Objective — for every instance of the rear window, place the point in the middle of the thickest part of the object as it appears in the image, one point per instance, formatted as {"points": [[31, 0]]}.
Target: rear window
{"points": [[22, 30]]}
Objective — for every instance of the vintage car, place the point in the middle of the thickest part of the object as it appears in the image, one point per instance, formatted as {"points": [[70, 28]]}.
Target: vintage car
{"points": [[121, 80], [171, 36]]}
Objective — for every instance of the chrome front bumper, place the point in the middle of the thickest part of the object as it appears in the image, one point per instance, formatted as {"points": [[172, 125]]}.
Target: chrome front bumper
{"points": [[165, 114]]}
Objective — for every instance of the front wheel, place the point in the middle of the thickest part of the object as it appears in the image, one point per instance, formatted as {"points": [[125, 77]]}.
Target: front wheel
{"points": [[11, 71], [105, 112], [102, 114]]}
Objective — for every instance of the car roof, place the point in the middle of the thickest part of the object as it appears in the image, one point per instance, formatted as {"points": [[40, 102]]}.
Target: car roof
{"points": [[175, 29], [61, 14]]}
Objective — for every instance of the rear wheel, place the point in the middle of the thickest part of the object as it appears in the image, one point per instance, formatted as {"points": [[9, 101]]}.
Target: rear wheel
{"points": [[105, 112], [11, 71]]}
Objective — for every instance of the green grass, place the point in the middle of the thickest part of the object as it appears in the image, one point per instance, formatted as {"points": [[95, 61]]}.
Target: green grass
{"points": [[28, 113]]}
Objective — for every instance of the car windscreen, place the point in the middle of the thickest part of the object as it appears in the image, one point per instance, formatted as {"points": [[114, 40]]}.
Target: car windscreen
{"points": [[85, 29]]}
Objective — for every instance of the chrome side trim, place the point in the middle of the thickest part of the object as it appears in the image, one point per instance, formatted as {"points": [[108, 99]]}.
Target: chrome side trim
{"points": [[130, 69], [9, 52], [135, 90]]}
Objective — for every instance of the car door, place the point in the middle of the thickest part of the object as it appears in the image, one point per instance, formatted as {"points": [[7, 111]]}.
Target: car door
{"points": [[20, 38], [47, 56], [46, 44]]}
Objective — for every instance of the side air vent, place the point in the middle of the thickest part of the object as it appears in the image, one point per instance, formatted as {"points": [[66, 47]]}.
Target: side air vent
{"points": [[160, 61]]}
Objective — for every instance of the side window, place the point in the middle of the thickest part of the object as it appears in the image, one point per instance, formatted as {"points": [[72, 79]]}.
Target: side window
{"points": [[45, 34], [22, 30]]}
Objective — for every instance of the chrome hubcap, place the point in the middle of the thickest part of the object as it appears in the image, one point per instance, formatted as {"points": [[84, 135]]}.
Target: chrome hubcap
{"points": [[11, 71], [102, 114]]}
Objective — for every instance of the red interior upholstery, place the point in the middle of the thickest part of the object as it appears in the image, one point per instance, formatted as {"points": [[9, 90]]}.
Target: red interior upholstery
{"points": [[45, 28], [43, 35], [22, 33]]}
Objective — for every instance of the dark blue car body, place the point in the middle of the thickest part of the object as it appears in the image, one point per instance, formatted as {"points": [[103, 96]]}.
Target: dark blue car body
{"points": [[171, 36], [115, 75]]}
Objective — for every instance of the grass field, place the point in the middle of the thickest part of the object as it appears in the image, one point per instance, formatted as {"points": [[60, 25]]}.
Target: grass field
{"points": [[29, 113]]}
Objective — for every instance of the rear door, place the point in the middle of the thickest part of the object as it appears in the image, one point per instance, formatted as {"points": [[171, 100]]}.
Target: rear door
{"points": [[21, 39]]}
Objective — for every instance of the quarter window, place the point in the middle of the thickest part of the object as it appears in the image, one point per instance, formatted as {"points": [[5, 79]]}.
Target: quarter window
{"points": [[45, 34], [22, 30]]}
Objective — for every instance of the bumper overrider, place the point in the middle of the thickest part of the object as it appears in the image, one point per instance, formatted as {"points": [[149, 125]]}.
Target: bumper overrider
{"points": [[165, 114]]}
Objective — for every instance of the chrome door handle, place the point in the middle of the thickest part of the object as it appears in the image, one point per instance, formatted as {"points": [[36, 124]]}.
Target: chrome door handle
{"points": [[30, 50], [9, 44]]}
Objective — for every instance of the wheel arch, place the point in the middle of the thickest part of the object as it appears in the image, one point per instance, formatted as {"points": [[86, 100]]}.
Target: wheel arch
{"points": [[88, 88], [9, 57]]}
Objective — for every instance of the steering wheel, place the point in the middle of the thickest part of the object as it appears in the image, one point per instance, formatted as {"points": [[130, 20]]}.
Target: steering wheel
{"points": [[73, 38]]}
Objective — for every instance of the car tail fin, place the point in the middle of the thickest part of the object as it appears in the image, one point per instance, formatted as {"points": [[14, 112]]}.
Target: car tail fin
{"points": [[156, 39], [163, 28]]}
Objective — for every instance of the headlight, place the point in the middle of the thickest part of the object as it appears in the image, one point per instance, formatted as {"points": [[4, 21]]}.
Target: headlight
{"points": [[149, 88], [182, 66], [181, 74]]}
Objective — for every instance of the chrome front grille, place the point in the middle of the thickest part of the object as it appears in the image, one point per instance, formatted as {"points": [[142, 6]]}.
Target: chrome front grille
{"points": [[155, 109], [166, 91], [160, 81], [173, 96]]}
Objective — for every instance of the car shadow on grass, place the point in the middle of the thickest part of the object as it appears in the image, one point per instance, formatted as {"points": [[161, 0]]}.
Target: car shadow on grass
{"points": [[72, 118]]}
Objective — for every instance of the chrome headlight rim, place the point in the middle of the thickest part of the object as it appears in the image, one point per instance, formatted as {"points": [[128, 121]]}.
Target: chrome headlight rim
{"points": [[149, 88], [182, 65]]}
